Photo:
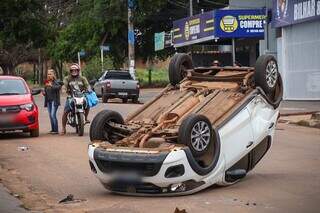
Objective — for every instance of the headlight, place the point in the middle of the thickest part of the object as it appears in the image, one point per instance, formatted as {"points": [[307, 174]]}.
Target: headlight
{"points": [[27, 107]]}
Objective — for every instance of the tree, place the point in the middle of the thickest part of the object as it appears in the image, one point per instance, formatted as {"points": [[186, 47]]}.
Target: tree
{"points": [[22, 28], [93, 20]]}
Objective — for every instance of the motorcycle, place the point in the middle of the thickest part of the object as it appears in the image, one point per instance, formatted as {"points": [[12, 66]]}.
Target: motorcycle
{"points": [[76, 117]]}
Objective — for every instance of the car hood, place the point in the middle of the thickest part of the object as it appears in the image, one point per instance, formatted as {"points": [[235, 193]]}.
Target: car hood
{"points": [[9, 100]]}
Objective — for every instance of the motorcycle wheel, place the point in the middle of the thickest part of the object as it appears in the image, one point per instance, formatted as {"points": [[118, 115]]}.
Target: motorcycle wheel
{"points": [[80, 124]]}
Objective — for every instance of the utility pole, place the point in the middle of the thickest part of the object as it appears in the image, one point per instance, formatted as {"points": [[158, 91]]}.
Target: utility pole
{"points": [[131, 38], [101, 53], [233, 51], [266, 29], [191, 7]]}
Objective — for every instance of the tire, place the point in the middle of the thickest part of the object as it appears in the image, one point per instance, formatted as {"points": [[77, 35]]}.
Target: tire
{"points": [[98, 129], [188, 130], [266, 74], [95, 122], [104, 99], [172, 67], [135, 100], [124, 100], [34, 133], [178, 65], [80, 125]]}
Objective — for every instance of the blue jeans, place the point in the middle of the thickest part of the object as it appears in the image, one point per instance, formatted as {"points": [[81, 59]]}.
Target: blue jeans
{"points": [[52, 109]]}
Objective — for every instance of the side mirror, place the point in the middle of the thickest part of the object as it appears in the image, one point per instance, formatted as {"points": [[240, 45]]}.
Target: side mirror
{"points": [[92, 82], [235, 175], [60, 82], [35, 91]]}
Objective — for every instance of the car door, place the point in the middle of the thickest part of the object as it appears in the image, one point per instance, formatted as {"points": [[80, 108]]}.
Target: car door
{"points": [[263, 118], [237, 138]]}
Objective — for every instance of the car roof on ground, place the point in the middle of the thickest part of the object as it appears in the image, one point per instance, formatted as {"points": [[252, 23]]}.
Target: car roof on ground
{"points": [[10, 77]]}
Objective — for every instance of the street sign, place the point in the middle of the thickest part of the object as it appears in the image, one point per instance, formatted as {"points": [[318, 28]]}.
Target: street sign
{"points": [[131, 4], [105, 48], [82, 53], [131, 37], [159, 41]]}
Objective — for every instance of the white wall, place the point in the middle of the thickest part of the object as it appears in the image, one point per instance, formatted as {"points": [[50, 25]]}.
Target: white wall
{"points": [[299, 59]]}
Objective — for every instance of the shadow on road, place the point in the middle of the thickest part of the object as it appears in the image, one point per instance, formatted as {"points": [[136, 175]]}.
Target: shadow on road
{"points": [[13, 135]]}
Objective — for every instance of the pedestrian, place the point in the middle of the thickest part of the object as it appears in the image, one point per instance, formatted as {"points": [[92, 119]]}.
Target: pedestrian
{"points": [[52, 99], [216, 63]]}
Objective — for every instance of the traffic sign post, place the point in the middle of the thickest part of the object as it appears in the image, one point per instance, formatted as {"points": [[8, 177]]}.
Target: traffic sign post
{"points": [[103, 49]]}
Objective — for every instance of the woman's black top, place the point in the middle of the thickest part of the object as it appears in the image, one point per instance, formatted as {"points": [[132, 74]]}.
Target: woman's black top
{"points": [[52, 93]]}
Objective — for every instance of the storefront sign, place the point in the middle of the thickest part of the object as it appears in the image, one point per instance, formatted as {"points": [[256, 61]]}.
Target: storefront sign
{"points": [[239, 23], [288, 12], [195, 29]]}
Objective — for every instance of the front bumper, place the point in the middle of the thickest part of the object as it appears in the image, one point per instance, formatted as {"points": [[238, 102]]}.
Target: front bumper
{"points": [[164, 174], [22, 120]]}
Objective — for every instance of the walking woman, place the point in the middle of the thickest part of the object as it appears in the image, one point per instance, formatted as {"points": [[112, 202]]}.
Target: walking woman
{"points": [[52, 99]]}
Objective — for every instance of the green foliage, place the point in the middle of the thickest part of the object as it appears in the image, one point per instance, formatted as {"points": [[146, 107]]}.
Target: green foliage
{"points": [[63, 31], [92, 70], [159, 77], [84, 32], [22, 22]]}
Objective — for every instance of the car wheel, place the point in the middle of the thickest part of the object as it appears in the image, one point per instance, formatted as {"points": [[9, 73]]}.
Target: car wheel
{"points": [[104, 99], [34, 133], [124, 100], [267, 74], [178, 67], [100, 129], [135, 100], [196, 132]]}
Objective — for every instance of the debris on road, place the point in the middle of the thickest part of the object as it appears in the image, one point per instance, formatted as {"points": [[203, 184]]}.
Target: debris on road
{"points": [[23, 148], [299, 113], [70, 199], [177, 210], [306, 119]]}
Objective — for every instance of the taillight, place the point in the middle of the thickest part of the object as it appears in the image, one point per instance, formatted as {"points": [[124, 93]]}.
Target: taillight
{"points": [[138, 86], [108, 84]]}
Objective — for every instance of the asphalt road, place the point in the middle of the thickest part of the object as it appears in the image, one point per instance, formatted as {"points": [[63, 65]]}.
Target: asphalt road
{"points": [[53, 166]]}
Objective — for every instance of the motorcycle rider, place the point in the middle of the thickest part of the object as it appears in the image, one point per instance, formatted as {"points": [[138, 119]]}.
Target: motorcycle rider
{"points": [[74, 82]]}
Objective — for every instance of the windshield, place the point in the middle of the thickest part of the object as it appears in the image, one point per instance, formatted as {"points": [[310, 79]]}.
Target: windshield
{"points": [[119, 75], [12, 87]]}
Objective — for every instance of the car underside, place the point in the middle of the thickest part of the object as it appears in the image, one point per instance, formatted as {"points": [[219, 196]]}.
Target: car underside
{"points": [[187, 122]]}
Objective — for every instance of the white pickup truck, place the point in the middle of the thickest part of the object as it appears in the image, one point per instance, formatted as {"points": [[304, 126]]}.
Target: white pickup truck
{"points": [[117, 84]]}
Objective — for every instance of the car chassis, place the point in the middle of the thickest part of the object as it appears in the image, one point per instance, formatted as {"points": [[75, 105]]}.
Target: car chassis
{"points": [[212, 127]]}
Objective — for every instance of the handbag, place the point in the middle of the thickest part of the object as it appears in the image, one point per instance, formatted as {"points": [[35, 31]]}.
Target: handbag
{"points": [[92, 99]]}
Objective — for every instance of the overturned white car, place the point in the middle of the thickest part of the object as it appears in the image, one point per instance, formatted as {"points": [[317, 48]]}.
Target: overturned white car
{"points": [[211, 125]]}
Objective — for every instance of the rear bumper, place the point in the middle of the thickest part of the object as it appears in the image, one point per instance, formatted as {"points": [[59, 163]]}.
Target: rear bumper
{"points": [[21, 121], [121, 93]]}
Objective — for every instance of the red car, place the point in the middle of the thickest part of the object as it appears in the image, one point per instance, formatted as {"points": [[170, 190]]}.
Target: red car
{"points": [[18, 110]]}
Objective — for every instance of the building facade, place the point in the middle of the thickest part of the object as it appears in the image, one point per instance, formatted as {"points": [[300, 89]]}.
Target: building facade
{"points": [[294, 38], [298, 47]]}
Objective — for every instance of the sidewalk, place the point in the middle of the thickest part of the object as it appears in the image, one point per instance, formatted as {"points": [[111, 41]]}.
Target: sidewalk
{"points": [[299, 106], [8, 203]]}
